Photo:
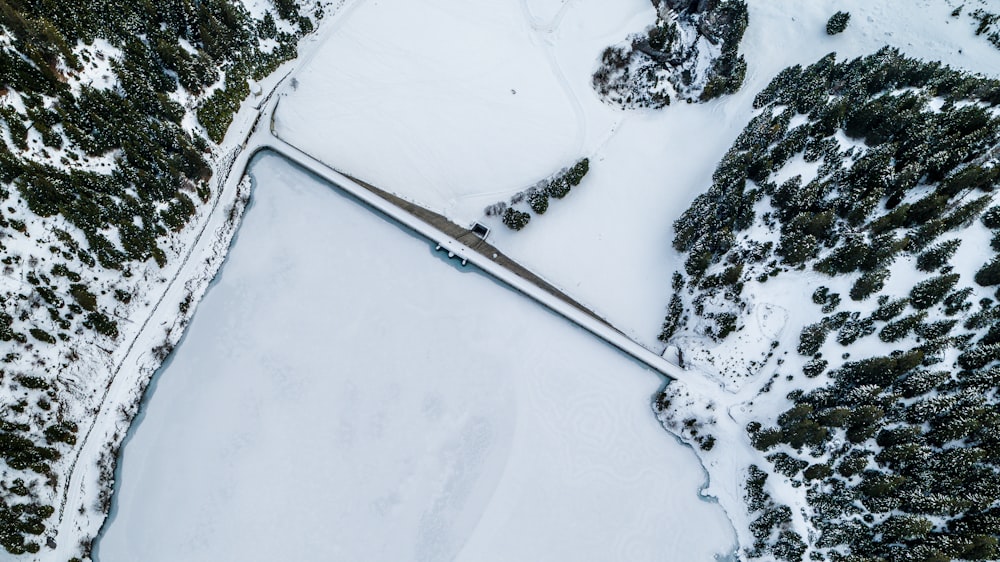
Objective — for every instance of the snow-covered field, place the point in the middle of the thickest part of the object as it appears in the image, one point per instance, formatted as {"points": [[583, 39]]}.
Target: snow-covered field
{"points": [[453, 104], [426, 111], [343, 394]]}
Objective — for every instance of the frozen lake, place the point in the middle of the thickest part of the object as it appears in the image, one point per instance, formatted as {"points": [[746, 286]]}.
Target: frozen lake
{"points": [[342, 394]]}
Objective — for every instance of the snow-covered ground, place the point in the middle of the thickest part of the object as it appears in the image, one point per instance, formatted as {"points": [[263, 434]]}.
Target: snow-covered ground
{"points": [[450, 103], [426, 111], [342, 394]]}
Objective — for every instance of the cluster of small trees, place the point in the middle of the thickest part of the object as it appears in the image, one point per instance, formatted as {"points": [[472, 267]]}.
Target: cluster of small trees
{"points": [[986, 25], [537, 197], [771, 523]]}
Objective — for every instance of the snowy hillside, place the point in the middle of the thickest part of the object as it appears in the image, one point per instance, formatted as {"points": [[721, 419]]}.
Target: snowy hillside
{"points": [[109, 176], [859, 182], [833, 272]]}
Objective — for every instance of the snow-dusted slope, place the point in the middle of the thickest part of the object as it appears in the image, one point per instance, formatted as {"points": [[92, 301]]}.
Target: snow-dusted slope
{"points": [[117, 213], [343, 394]]}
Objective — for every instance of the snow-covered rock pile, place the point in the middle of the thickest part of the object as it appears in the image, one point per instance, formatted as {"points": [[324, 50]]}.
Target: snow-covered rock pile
{"points": [[690, 53]]}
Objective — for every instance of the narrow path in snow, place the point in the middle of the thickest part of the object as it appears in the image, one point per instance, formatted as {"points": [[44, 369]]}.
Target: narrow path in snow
{"points": [[543, 32]]}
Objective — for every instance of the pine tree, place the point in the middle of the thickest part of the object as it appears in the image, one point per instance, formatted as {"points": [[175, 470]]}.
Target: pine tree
{"points": [[514, 219], [937, 255], [989, 274], [538, 200], [932, 291]]}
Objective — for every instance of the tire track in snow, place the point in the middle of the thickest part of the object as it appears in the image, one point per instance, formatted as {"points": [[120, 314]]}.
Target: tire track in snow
{"points": [[544, 33]]}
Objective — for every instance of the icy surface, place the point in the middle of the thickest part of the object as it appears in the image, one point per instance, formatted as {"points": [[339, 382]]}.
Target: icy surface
{"points": [[343, 394]]}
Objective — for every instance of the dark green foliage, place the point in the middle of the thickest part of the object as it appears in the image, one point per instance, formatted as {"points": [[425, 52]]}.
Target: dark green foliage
{"points": [[868, 284], [854, 329], [991, 218], [799, 428], [864, 422], [755, 495], [516, 220], [102, 324], [575, 174], [817, 472], [935, 330], [812, 338], [914, 174], [538, 201], [143, 197], [32, 382], [83, 296], [989, 274], [938, 255], [728, 71], [786, 464], [21, 453], [178, 213], [957, 301], [725, 324], [64, 432], [837, 23], [878, 371], [979, 356], [287, 9], [922, 382], [765, 439], [674, 311], [558, 188], [18, 520], [895, 331], [41, 335], [216, 112], [889, 309], [932, 291], [814, 368], [853, 463]]}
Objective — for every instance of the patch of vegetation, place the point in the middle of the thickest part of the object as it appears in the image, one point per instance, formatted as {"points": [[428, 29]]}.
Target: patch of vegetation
{"points": [[838, 23], [987, 25], [515, 220], [538, 196], [670, 58], [99, 174], [895, 450]]}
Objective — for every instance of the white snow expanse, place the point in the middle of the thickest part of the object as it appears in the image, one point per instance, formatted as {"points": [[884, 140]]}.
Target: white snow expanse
{"points": [[343, 394], [416, 98]]}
